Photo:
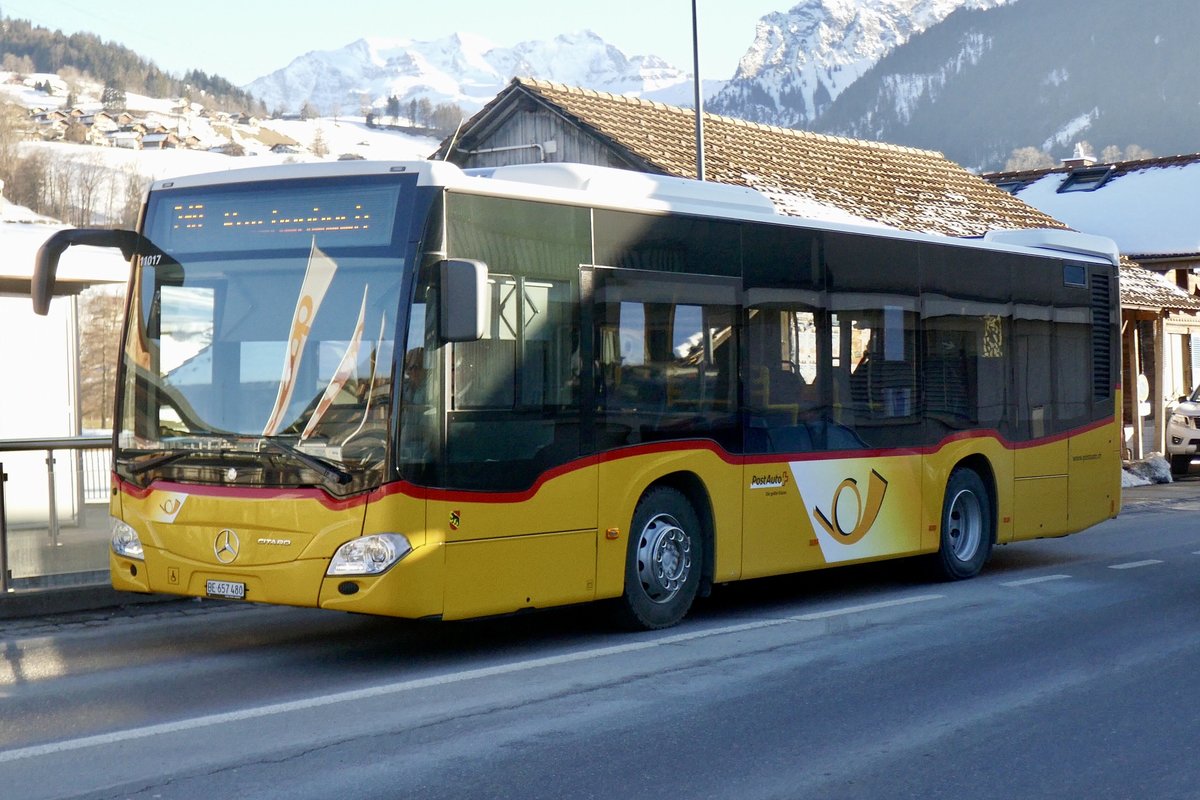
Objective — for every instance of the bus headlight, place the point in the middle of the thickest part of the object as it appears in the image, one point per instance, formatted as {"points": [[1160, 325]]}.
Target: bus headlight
{"points": [[369, 555], [125, 541]]}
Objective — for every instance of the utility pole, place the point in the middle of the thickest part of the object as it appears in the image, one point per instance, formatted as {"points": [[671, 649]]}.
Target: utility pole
{"points": [[699, 94]]}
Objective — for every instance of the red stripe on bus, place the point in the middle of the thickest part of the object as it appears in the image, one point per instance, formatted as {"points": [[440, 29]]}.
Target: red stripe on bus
{"points": [[674, 446]]}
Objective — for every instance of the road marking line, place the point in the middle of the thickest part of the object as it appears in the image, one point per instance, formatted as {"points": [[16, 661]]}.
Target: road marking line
{"points": [[1031, 581], [1135, 564], [839, 612], [358, 695]]}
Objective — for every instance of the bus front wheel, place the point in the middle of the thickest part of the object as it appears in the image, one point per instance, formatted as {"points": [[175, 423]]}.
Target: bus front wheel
{"points": [[663, 562], [967, 527]]}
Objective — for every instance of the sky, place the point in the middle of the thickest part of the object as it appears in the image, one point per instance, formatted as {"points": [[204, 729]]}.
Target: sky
{"points": [[242, 40]]}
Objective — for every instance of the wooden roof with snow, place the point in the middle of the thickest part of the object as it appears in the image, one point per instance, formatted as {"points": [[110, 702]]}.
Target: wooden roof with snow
{"points": [[801, 172], [804, 174]]}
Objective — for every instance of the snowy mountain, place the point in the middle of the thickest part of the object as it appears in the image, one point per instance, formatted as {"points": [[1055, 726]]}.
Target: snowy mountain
{"points": [[463, 68], [802, 59], [1036, 74]]}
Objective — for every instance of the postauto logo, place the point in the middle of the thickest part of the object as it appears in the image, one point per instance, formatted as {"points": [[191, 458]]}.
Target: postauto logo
{"points": [[775, 480]]}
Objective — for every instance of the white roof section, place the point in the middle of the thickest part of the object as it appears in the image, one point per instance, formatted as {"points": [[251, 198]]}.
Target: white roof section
{"points": [[1080, 244], [1149, 211], [622, 186]]}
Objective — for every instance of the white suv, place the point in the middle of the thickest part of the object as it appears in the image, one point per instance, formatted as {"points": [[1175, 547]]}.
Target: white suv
{"points": [[1183, 432]]}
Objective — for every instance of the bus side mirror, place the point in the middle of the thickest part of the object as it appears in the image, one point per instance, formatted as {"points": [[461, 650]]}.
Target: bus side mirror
{"points": [[45, 265], [463, 301]]}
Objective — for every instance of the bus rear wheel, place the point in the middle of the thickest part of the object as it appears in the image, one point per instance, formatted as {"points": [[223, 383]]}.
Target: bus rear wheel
{"points": [[968, 529], [663, 562]]}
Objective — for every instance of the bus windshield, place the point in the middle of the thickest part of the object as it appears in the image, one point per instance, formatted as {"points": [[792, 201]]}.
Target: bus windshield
{"points": [[260, 336]]}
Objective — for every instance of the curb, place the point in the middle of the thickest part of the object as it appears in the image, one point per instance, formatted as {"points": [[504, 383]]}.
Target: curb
{"points": [[46, 602]]}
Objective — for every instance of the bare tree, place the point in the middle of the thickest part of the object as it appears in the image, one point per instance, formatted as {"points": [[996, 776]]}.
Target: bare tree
{"points": [[25, 180], [1024, 158], [1113, 153], [135, 187], [89, 176], [101, 309], [319, 147]]}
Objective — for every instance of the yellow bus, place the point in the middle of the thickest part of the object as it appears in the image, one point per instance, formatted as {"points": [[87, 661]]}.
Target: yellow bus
{"points": [[409, 390]]}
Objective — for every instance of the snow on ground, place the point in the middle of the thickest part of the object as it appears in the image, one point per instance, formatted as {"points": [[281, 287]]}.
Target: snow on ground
{"points": [[1152, 469], [341, 137], [22, 231], [351, 135]]}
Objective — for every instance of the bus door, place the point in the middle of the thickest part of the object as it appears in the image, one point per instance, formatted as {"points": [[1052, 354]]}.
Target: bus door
{"points": [[666, 350], [518, 508], [512, 491]]}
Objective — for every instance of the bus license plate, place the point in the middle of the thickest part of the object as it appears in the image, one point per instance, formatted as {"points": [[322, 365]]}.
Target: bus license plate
{"points": [[237, 591]]}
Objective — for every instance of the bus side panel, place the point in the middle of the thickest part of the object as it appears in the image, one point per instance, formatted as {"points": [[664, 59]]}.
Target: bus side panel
{"points": [[1041, 507], [623, 479], [499, 576], [1040, 490], [817, 512], [778, 531], [1095, 482], [509, 551], [564, 502], [1042, 460]]}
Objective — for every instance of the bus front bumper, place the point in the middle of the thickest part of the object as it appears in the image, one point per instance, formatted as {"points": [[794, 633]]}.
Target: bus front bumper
{"points": [[411, 589]]}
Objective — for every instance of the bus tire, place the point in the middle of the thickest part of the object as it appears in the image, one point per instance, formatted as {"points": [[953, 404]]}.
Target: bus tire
{"points": [[664, 559], [968, 529]]}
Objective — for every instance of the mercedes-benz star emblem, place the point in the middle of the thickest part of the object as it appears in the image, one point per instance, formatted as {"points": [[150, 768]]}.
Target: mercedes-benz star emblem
{"points": [[226, 546]]}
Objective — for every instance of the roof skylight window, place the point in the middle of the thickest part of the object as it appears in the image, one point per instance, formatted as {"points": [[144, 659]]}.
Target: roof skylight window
{"points": [[1086, 179]]}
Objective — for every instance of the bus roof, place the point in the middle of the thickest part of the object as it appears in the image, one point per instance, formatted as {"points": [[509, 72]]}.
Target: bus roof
{"points": [[608, 187]]}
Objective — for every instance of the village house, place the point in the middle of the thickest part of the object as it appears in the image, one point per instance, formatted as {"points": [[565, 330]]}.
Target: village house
{"points": [[803, 174], [1147, 208]]}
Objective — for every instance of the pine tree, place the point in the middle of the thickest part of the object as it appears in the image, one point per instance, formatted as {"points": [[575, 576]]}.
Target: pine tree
{"points": [[113, 98]]}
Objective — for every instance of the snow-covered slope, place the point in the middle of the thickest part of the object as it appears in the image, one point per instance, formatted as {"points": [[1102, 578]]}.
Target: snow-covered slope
{"points": [[802, 59], [112, 175], [462, 68]]}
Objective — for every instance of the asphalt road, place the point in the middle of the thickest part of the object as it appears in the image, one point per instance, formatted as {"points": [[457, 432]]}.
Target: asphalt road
{"points": [[1067, 670]]}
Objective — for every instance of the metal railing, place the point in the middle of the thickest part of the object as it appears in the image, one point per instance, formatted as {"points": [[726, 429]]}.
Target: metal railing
{"points": [[86, 483]]}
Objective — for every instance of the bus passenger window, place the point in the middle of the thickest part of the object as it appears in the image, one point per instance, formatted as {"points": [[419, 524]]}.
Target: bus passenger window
{"points": [[783, 381], [666, 363], [875, 387]]}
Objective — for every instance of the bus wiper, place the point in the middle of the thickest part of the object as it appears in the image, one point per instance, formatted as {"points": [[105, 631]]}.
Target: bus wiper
{"points": [[160, 459], [328, 470], [149, 461]]}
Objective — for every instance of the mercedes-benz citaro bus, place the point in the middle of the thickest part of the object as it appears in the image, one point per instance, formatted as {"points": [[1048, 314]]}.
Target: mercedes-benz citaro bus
{"points": [[411, 390]]}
